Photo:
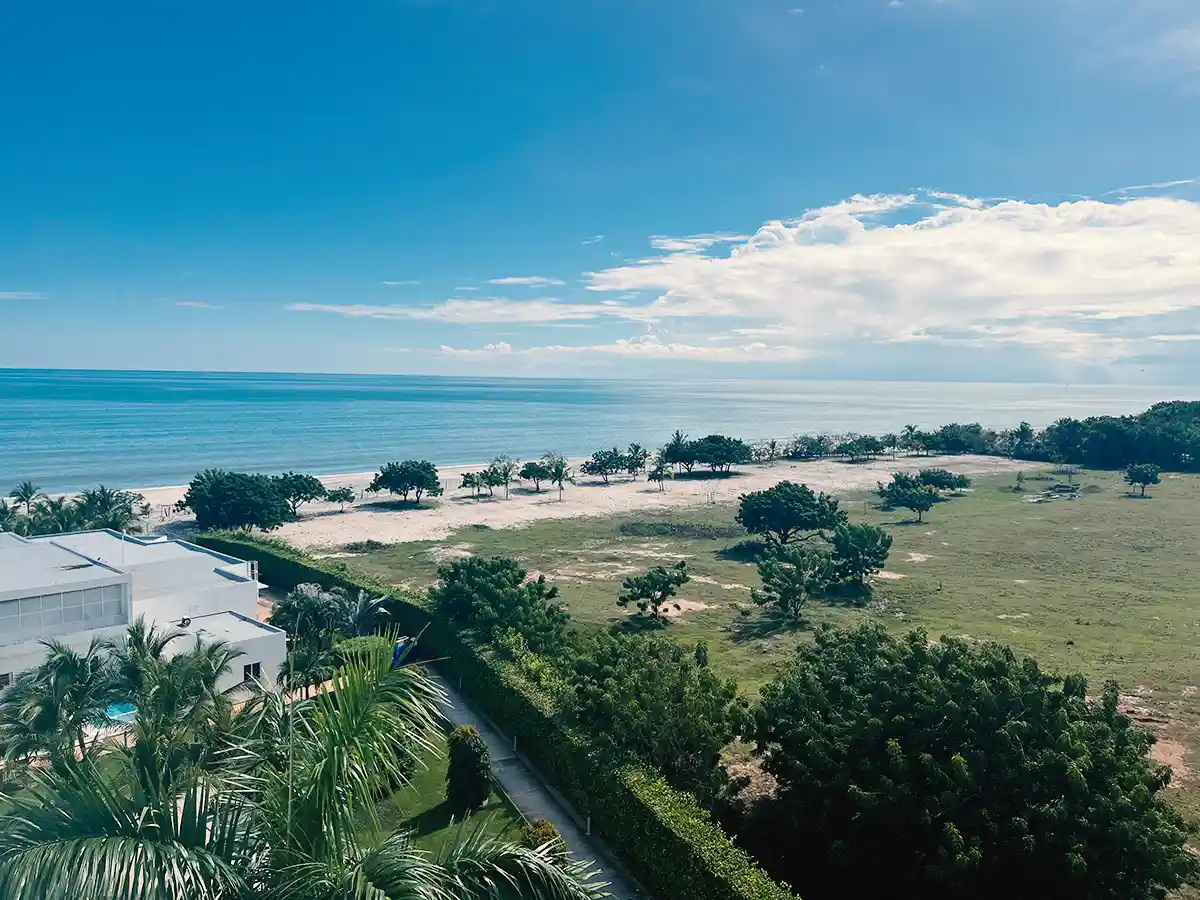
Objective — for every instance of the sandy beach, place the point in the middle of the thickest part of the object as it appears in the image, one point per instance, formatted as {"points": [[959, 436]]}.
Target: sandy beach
{"points": [[322, 526]]}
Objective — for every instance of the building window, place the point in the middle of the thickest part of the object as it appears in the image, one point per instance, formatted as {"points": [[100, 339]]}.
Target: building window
{"points": [[251, 671]]}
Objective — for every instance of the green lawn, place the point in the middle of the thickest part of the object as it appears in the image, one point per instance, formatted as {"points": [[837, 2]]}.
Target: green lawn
{"points": [[1105, 585], [421, 808]]}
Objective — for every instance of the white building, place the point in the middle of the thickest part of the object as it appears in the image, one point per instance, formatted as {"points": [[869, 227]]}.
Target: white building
{"points": [[73, 587]]}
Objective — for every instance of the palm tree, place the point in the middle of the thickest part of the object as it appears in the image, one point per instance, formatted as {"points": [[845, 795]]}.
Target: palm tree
{"points": [[136, 653], [27, 492], [50, 709], [676, 449], [276, 812], [116, 510], [357, 613], [306, 665], [309, 613], [57, 515], [908, 437], [10, 519], [560, 472]]}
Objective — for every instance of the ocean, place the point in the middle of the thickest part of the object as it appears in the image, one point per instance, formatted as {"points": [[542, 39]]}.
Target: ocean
{"points": [[67, 430]]}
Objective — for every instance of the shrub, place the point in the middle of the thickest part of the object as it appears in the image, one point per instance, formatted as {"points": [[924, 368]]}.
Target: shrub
{"points": [[366, 646], [469, 774], [539, 833]]}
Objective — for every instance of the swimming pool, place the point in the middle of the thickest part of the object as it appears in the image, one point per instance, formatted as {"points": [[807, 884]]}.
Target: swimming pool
{"points": [[122, 712]]}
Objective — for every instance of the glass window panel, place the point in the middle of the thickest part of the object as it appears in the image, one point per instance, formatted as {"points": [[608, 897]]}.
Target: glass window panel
{"points": [[72, 614], [51, 617], [112, 608], [72, 599]]}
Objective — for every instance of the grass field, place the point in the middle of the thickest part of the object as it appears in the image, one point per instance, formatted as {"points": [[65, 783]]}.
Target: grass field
{"points": [[421, 809], [1105, 585]]}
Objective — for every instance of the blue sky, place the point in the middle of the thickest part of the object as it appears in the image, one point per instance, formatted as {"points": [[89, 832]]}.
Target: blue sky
{"points": [[916, 189]]}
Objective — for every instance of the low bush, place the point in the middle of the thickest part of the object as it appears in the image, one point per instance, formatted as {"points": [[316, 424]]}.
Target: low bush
{"points": [[695, 530], [539, 833], [469, 773]]}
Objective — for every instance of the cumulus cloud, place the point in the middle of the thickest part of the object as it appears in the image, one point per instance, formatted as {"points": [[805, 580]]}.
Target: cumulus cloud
{"points": [[527, 280], [931, 267], [492, 310], [21, 295]]}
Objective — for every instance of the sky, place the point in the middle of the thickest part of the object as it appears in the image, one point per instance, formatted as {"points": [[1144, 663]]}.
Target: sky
{"points": [[899, 189]]}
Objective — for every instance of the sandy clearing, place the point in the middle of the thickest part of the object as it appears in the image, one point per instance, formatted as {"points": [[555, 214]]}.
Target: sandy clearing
{"points": [[321, 525], [889, 576], [919, 557]]}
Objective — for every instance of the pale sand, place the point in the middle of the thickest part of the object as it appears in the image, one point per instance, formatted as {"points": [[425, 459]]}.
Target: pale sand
{"points": [[321, 525]]}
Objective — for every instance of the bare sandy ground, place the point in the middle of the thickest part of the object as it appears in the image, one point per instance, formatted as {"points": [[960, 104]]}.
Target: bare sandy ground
{"points": [[322, 526]]}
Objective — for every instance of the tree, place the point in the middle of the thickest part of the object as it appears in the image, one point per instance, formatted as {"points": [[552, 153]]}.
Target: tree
{"points": [[469, 773], [653, 589], [417, 477], [306, 664], [786, 511], [474, 481], [490, 595], [280, 816], [309, 614], [222, 499], [341, 496], [659, 471], [535, 471], [56, 515], [121, 511], [907, 492], [635, 459], [27, 493], [604, 463], [356, 613], [720, 453], [678, 452], [55, 708], [790, 577], [10, 519], [491, 478], [942, 480], [298, 489], [504, 469], [648, 697], [891, 443], [559, 473], [1143, 474], [859, 551], [957, 771]]}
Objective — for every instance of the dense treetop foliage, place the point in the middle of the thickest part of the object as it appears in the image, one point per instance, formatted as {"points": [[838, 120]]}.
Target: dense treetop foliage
{"points": [[31, 512], [788, 512], [221, 499], [943, 769], [412, 476]]}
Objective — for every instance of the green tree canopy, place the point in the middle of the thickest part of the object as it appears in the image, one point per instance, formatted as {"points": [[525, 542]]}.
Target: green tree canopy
{"points": [[790, 576], [908, 492], [948, 770], [299, 489], [942, 480], [412, 476], [784, 513], [341, 496], [649, 592], [536, 471], [603, 464], [490, 595], [1142, 474], [469, 773], [221, 499], [859, 551], [648, 696], [720, 453], [558, 472]]}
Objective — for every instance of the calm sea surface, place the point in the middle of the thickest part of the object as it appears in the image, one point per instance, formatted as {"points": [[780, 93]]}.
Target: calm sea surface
{"points": [[67, 430]]}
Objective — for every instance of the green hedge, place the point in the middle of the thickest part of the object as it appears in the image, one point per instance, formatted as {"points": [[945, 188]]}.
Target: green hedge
{"points": [[665, 838]]}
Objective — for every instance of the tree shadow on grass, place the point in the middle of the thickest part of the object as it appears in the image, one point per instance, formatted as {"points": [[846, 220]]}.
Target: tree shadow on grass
{"points": [[747, 551], [433, 819], [395, 505], [848, 593], [634, 624], [769, 622]]}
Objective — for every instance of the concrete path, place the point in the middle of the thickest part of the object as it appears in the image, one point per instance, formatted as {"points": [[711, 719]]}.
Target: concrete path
{"points": [[530, 795]]}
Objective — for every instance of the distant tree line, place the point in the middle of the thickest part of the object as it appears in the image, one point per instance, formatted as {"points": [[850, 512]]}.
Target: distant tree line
{"points": [[31, 512]]}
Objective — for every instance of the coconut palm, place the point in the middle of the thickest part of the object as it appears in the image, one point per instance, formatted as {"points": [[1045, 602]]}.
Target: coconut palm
{"points": [[357, 613], [135, 654], [309, 613], [53, 709], [10, 519], [277, 816], [306, 665], [117, 510], [57, 515], [559, 472], [27, 492]]}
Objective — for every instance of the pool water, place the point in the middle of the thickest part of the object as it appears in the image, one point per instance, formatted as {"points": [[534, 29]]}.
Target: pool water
{"points": [[122, 712]]}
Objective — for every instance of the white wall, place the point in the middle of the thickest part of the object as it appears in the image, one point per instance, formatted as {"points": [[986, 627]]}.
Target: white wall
{"points": [[269, 651], [236, 596], [21, 657]]}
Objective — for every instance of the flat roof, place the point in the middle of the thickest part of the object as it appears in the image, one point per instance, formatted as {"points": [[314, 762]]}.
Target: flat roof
{"points": [[227, 626], [34, 565]]}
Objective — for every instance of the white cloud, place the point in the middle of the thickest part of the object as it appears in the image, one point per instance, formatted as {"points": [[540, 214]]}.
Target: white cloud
{"points": [[528, 280], [492, 310], [21, 295], [938, 267], [196, 304], [594, 239], [647, 346], [693, 243], [466, 287], [396, 283]]}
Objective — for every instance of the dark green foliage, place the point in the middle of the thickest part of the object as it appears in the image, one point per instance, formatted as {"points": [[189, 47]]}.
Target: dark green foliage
{"points": [[341, 496], [941, 480], [418, 477], [604, 464], [679, 452], [720, 453], [490, 595], [653, 589], [298, 489], [535, 471], [947, 770], [366, 645], [539, 833], [860, 448], [790, 576], [908, 492], [809, 446], [501, 472], [785, 512], [859, 551], [649, 697], [635, 459], [221, 499], [98, 507], [1142, 474], [694, 530], [469, 774]]}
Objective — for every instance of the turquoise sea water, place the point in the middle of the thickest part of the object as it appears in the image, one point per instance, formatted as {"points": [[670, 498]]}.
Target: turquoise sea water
{"points": [[71, 429]]}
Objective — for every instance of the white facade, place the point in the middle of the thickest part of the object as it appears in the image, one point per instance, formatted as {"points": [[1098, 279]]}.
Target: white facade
{"points": [[73, 587]]}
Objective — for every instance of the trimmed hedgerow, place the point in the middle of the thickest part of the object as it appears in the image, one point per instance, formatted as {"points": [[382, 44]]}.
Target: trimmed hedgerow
{"points": [[631, 807]]}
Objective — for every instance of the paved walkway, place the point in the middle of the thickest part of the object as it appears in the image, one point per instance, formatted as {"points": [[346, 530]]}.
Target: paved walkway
{"points": [[529, 794]]}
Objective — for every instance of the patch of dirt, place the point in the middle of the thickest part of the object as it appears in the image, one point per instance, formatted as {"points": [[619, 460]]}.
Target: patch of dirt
{"points": [[889, 576], [704, 579], [1190, 691], [754, 785], [599, 571], [338, 555], [1020, 581], [676, 609], [1013, 616], [1167, 752], [919, 557], [928, 533], [446, 553]]}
